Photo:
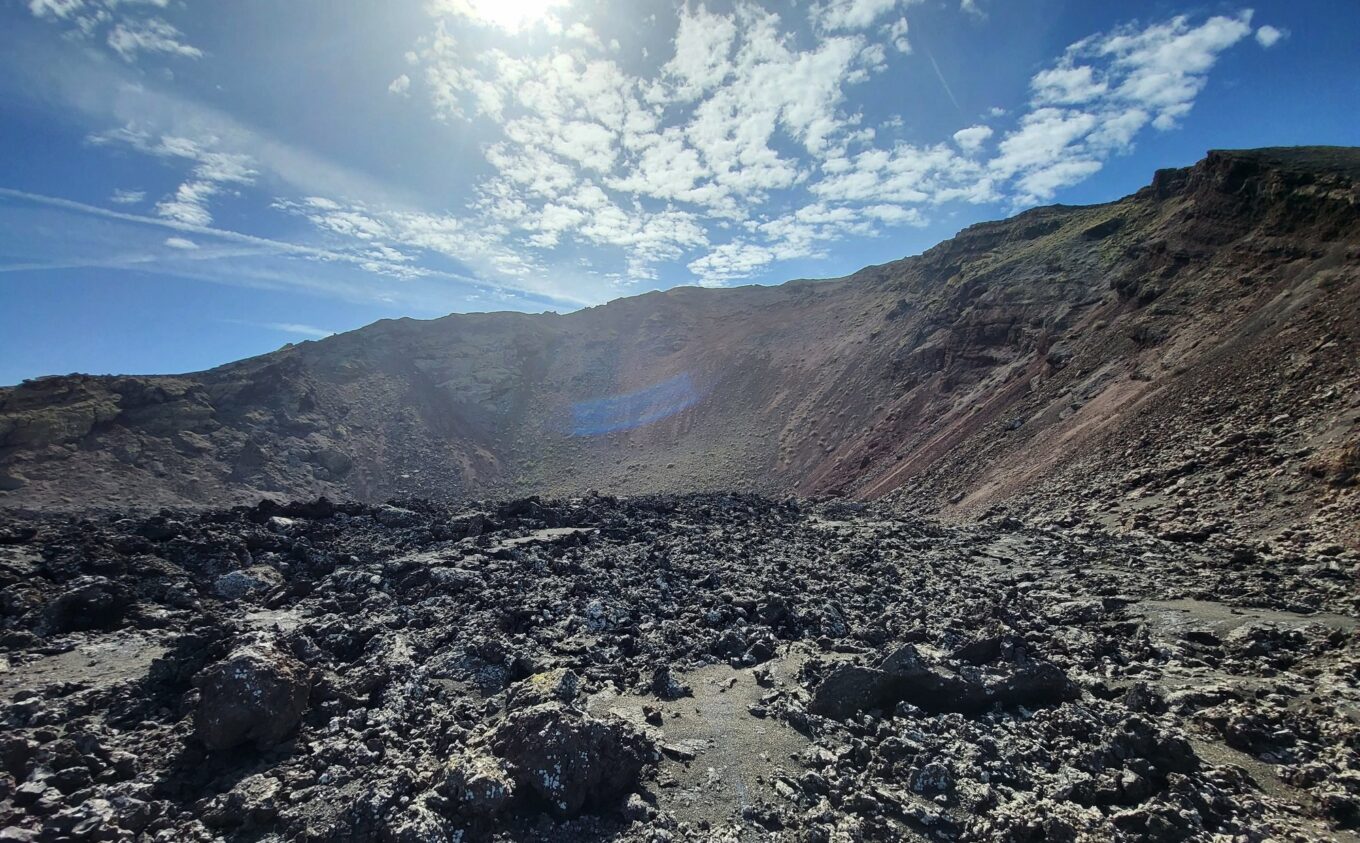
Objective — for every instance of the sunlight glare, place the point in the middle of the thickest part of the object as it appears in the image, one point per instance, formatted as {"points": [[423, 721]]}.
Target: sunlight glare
{"points": [[509, 15]]}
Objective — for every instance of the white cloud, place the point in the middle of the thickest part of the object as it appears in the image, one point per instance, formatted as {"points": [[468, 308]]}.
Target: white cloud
{"points": [[668, 169], [1164, 67], [835, 15], [730, 261], [971, 7], [60, 9], [703, 132], [744, 145], [1067, 86], [127, 240], [1044, 181], [1118, 128], [126, 34], [703, 46], [1102, 92], [182, 243], [509, 15], [897, 34], [895, 214], [189, 203], [1043, 137], [743, 149], [972, 138], [580, 32], [127, 197], [294, 328], [211, 169], [152, 35], [1267, 36]]}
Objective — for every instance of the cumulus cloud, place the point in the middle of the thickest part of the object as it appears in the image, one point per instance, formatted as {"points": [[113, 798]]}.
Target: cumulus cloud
{"points": [[189, 203], [589, 150], [972, 7], [746, 146], [1102, 92], [897, 34], [1067, 85], [580, 32], [1267, 36], [401, 86], [853, 14], [703, 47], [972, 138]]}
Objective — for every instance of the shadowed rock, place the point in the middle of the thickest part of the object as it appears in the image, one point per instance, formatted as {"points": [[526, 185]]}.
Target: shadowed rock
{"points": [[255, 695], [903, 676], [90, 603]]}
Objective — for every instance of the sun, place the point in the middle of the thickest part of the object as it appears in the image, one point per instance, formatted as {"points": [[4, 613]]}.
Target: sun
{"points": [[509, 15]]}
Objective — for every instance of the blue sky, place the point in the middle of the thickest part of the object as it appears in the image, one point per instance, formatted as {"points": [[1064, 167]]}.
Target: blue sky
{"points": [[183, 183]]}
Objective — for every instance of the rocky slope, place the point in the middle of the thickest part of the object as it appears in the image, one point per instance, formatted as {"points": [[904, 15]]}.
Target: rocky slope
{"points": [[1123, 363], [705, 668]]}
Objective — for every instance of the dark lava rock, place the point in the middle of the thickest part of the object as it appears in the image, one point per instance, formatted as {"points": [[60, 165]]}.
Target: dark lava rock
{"points": [[422, 682], [89, 603], [17, 534], [395, 516], [569, 759], [1032, 684], [560, 684], [667, 687], [476, 785], [903, 676], [988, 648], [255, 695], [234, 585], [849, 689]]}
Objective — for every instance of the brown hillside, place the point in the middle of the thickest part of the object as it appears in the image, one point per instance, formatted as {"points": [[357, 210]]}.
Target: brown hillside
{"points": [[1180, 358]]}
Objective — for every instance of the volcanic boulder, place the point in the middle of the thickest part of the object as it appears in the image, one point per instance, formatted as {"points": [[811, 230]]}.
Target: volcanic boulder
{"points": [[476, 785], [572, 760], [903, 676], [666, 686], [849, 689], [89, 603], [234, 585], [560, 684], [256, 695]]}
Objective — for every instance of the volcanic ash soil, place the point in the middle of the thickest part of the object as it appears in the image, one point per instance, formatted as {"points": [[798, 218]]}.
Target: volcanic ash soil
{"points": [[654, 669]]}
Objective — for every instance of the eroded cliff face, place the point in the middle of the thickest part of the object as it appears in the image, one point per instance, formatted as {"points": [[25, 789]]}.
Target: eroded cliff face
{"points": [[1188, 352]]}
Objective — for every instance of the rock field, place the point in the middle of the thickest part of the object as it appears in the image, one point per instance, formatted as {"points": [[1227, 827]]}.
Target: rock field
{"points": [[701, 667]]}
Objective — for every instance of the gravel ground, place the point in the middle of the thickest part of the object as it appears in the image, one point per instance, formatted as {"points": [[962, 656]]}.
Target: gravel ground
{"points": [[700, 667]]}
